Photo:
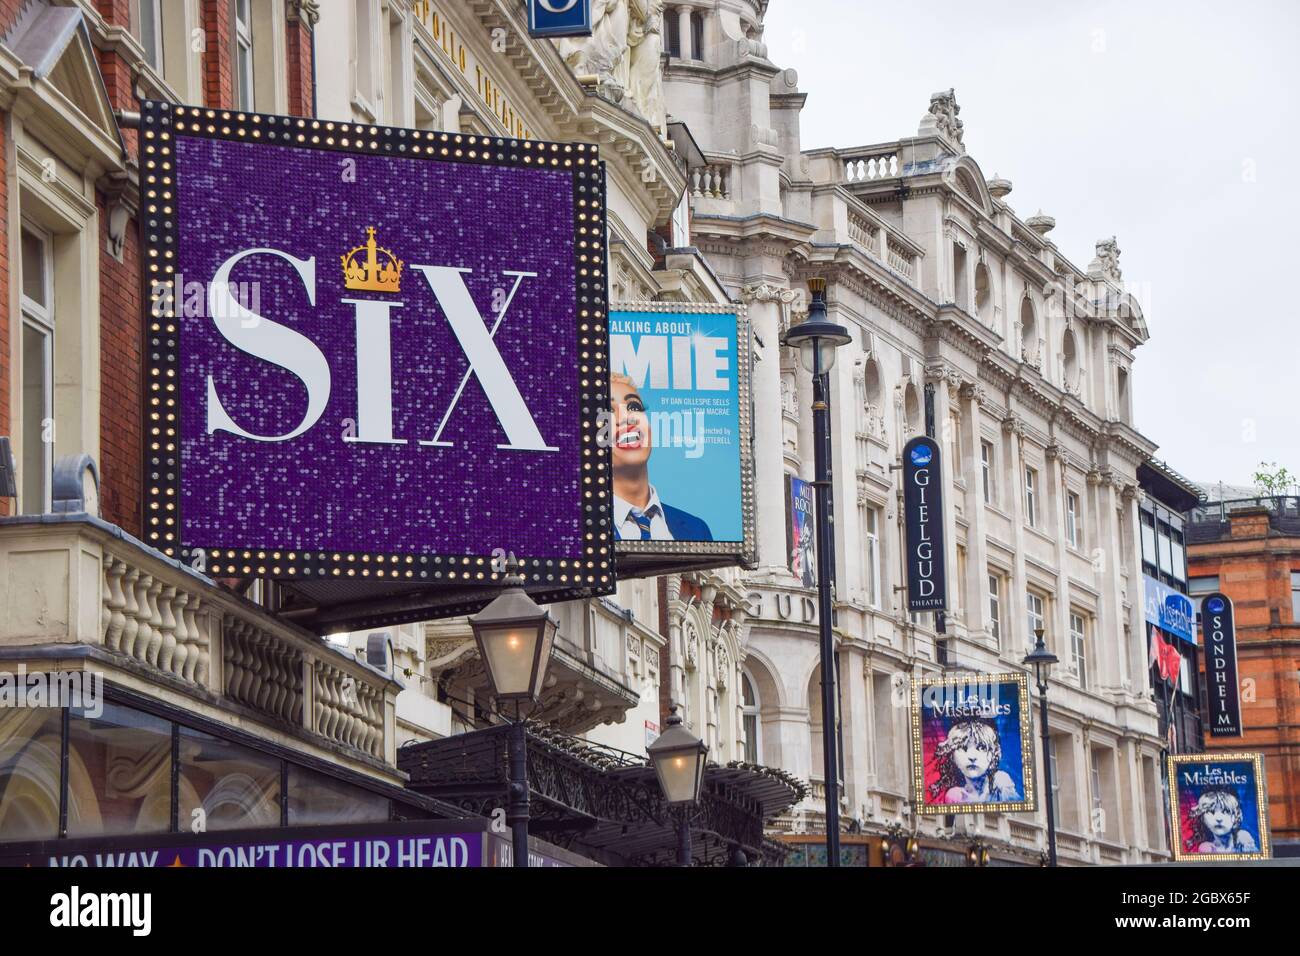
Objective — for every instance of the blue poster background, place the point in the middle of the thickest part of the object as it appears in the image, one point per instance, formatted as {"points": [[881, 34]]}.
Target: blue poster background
{"points": [[678, 360]]}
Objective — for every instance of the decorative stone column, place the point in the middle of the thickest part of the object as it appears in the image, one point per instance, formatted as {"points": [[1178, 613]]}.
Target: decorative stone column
{"points": [[947, 381], [1018, 640], [767, 306], [1054, 485], [972, 396], [684, 32]]}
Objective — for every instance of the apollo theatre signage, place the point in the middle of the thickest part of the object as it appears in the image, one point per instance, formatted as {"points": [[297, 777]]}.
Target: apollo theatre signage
{"points": [[374, 353], [927, 588]]}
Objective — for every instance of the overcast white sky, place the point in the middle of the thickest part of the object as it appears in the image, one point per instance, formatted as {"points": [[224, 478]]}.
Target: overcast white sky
{"points": [[1171, 125]]}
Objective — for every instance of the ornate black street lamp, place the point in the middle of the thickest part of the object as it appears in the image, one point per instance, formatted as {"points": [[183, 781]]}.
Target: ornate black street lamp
{"points": [[514, 636], [1041, 660], [678, 758], [817, 338]]}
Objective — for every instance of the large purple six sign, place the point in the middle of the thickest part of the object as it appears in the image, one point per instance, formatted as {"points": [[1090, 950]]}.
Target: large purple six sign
{"points": [[374, 353]]}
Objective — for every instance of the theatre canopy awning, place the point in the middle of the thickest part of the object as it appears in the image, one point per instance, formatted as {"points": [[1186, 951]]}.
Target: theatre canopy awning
{"points": [[604, 803]]}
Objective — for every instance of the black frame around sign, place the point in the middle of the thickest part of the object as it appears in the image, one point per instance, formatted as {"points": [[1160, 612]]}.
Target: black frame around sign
{"points": [[160, 219]]}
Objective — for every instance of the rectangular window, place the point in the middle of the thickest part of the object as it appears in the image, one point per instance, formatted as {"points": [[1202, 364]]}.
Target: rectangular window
{"points": [[1148, 540], [995, 607], [1031, 497], [1206, 585], [1179, 571], [1165, 552], [1072, 519], [148, 30], [1036, 619], [243, 50], [872, 556], [126, 787], [232, 786], [317, 799], [986, 470], [1295, 596], [30, 760], [1079, 647], [37, 300]]}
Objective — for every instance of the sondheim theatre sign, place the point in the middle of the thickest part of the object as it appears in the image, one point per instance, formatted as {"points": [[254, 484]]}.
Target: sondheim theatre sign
{"points": [[375, 355]]}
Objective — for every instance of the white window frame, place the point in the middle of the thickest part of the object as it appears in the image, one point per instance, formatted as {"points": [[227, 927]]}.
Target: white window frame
{"points": [[995, 606], [241, 41], [1036, 617], [1079, 647], [871, 555], [39, 318], [138, 8], [1031, 496]]}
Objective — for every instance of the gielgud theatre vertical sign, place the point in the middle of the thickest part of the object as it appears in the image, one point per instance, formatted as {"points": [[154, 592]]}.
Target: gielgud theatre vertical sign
{"points": [[375, 355]]}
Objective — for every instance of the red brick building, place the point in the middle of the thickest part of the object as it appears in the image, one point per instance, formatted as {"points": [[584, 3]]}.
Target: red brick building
{"points": [[1250, 550], [70, 273]]}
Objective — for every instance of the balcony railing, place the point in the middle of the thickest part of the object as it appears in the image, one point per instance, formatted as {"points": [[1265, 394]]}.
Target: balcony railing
{"points": [[74, 579], [1212, 521]]}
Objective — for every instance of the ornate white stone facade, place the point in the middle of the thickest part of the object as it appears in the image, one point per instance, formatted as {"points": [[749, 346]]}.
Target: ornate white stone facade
{"points": [[945, 289]]}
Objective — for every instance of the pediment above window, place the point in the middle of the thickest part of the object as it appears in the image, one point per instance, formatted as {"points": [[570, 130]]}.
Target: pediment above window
{"points": [[50, 76]]}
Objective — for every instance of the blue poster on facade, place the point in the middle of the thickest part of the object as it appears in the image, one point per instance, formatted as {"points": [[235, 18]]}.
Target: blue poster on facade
{"points": [[1169, 610], [1219, 805], [801, 547], [678, 401], [971, 744]]}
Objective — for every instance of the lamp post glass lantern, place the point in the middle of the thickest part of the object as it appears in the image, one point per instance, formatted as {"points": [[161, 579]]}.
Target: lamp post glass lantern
{"points": [[514, 636], [678, 758], [1040, 659], [817, 338]]}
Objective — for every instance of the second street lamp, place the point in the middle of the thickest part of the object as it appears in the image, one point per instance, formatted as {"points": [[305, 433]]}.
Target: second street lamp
{"points": [[678, 758], [1041, 660], [817, 338], [514, 636]]}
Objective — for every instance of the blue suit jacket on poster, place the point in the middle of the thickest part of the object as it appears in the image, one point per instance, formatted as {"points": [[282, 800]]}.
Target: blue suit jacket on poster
{"points": [[684, 526]]}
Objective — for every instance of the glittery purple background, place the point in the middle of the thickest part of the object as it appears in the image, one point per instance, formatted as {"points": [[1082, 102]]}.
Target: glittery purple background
{"points": [[318, 492]]}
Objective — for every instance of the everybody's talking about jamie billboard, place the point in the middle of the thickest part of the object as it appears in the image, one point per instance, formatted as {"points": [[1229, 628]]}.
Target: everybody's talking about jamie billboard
{"points": [[680, 434], [376, 355]]}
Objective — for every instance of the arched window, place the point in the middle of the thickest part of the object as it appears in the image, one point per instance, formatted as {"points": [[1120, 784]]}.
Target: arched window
{"points": [[1070, 361], [1028, 332], [749, 711], [912, 410]]}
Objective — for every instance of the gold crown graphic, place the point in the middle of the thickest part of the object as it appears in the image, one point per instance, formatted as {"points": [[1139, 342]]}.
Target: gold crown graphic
{"points": [[369, 275]]}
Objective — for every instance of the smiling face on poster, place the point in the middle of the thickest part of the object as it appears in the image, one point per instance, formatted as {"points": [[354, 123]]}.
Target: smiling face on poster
{"points": [[971, 745], [679, 425], [1220, 806]]}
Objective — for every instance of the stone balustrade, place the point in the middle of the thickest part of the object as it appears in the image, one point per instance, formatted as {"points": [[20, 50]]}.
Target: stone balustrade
{"points": [[869, 168], [73, 579], [712, 181]]}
